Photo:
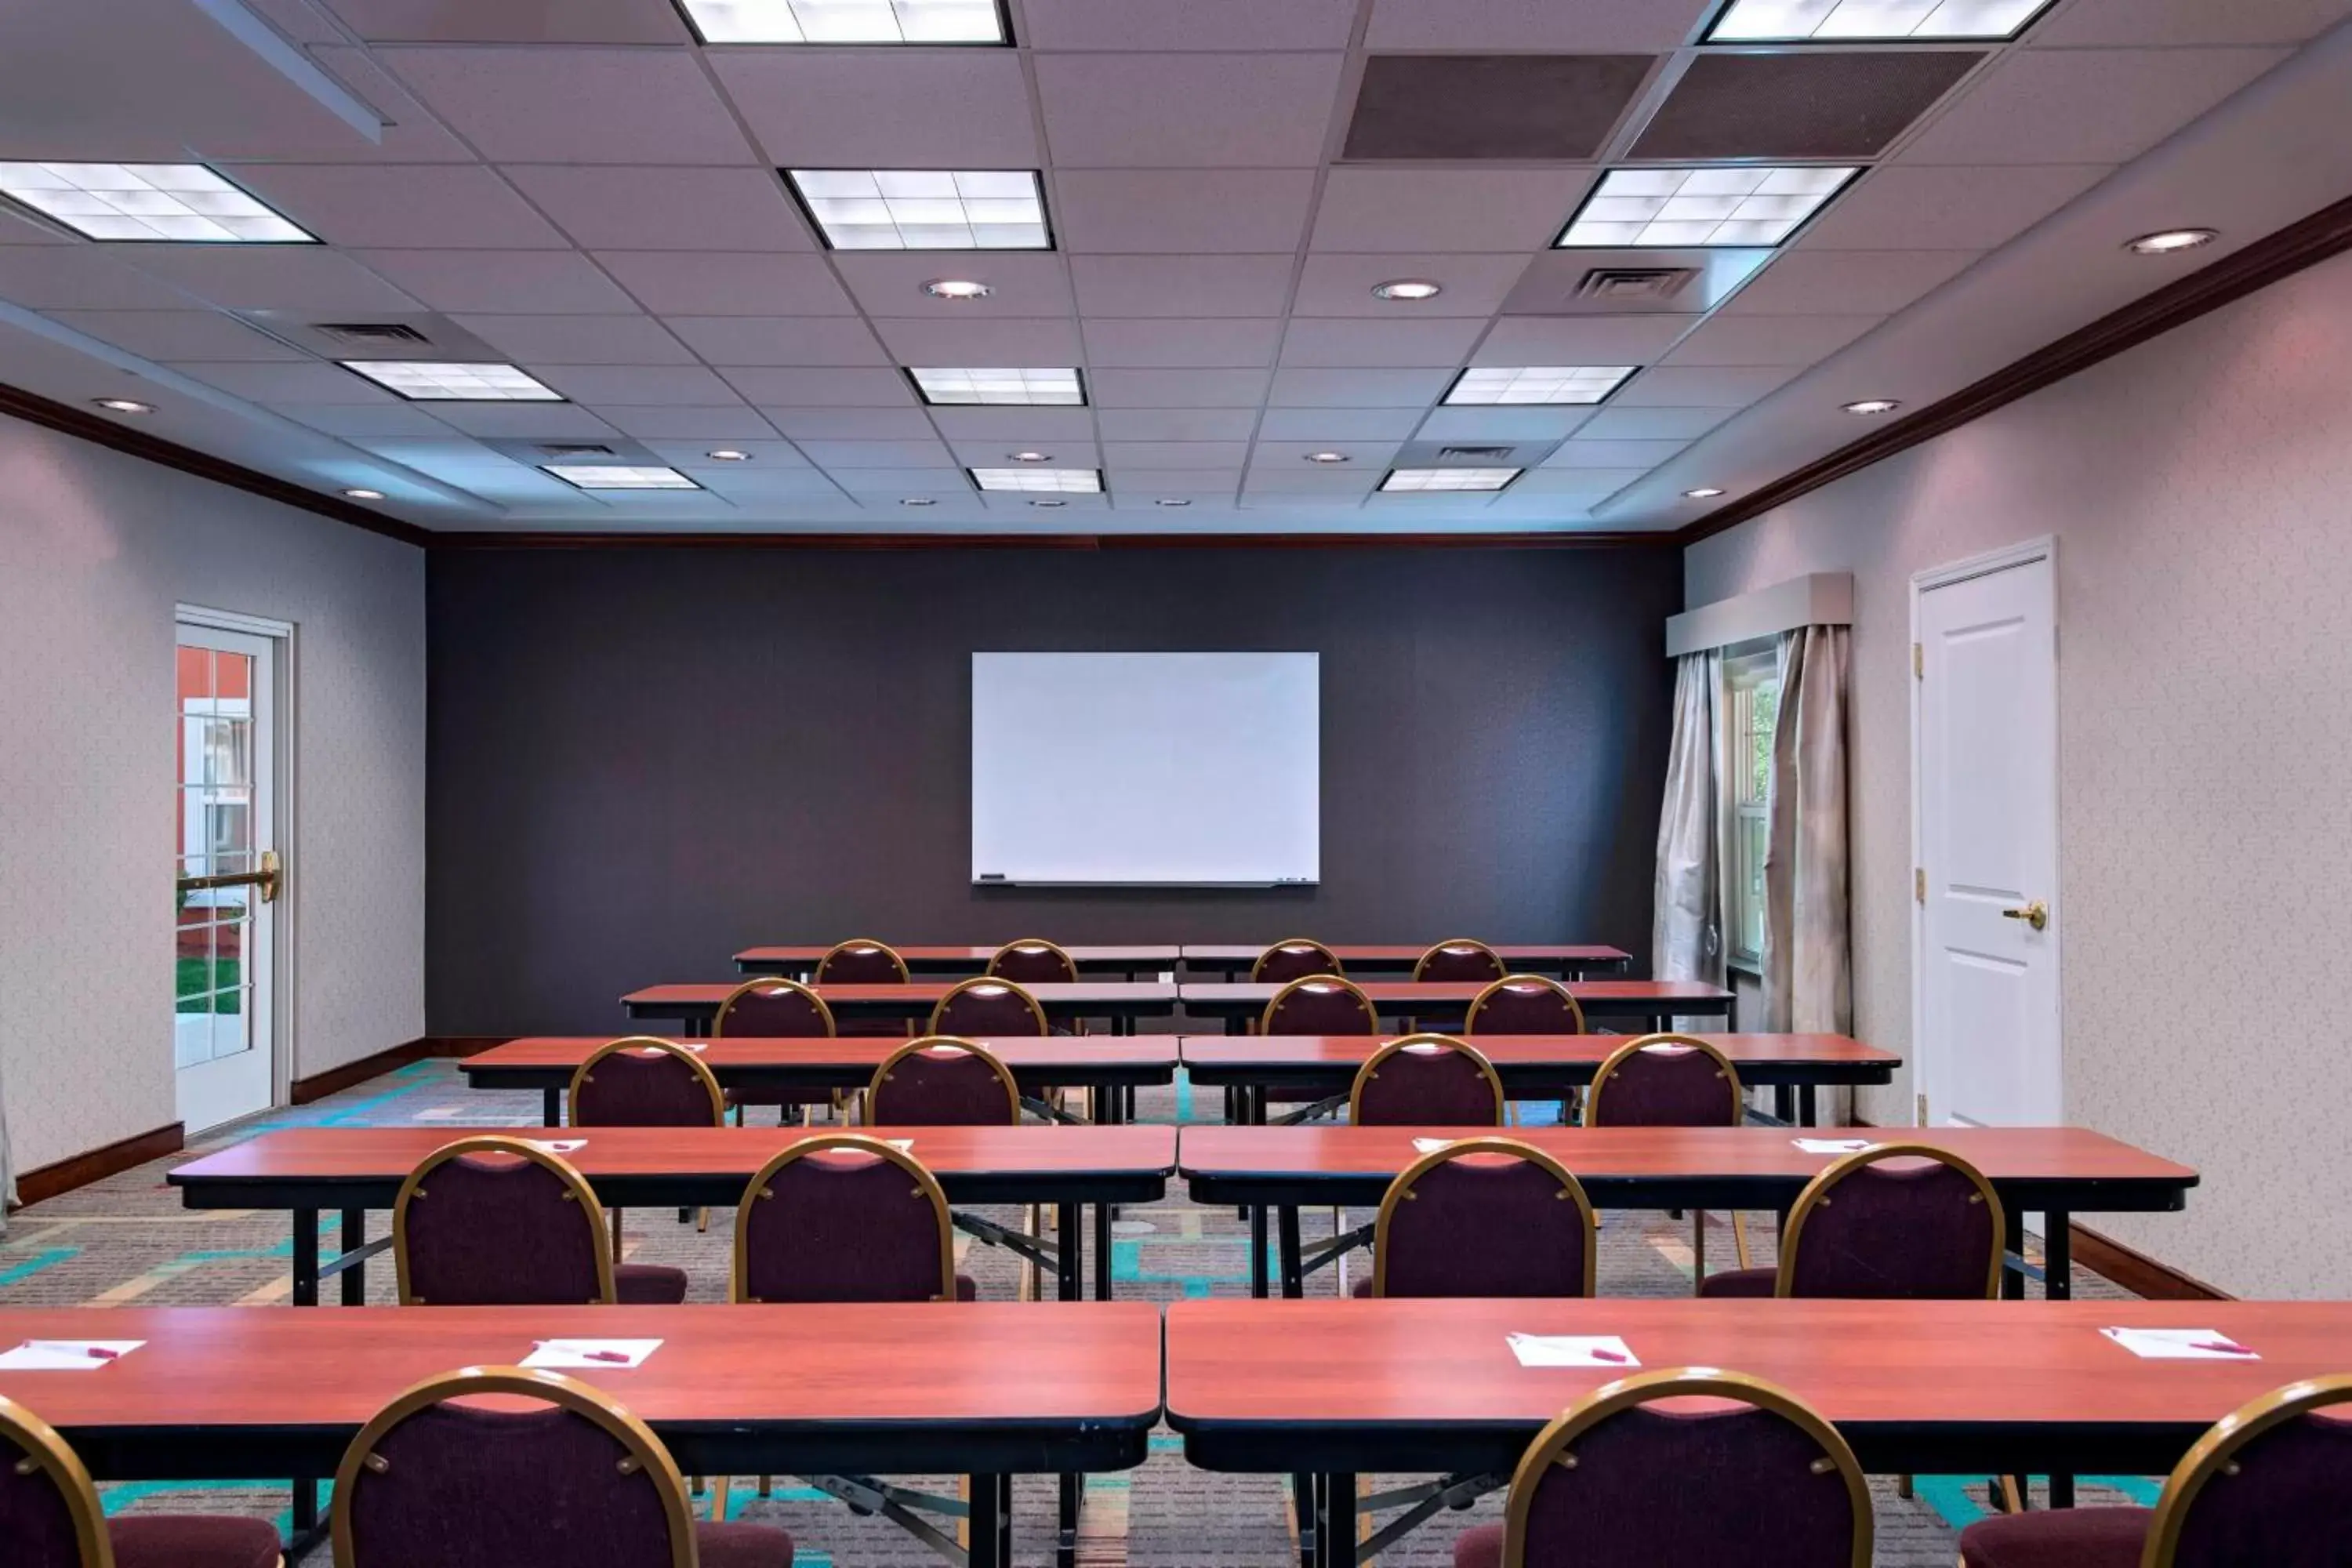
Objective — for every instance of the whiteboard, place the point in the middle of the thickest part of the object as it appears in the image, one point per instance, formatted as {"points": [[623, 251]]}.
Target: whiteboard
{"points": [[1161, 769]]}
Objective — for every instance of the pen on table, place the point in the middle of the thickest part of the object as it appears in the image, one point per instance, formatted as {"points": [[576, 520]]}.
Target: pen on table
{"points": [[2223, 1346], [595, 1355], [1599, 1355], [99, 1353]]}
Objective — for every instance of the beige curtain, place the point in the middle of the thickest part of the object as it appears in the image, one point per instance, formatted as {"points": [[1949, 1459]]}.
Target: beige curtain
{"points": [[1808, 962], [1687, 922], [7, 1167]]}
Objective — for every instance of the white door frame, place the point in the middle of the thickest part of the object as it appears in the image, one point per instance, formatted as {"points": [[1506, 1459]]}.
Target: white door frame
{"points": [[2022, 553], [283, 945]]}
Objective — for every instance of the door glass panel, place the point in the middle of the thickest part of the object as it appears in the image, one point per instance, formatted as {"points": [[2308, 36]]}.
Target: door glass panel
{"points": [[212, 1010]]}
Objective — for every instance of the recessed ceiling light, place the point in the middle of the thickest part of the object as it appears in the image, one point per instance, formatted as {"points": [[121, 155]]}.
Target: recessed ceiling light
{"points": [[1854, 21], [2164, 242], [1049, 503], [957, 289], [1408, 289], [1430, 480], [614, 477], [1171, 501], [1744, 205], [356, 493], [1003, 387], [1328, 457], [917, 501], [846, 21], [179, 202], [1553, 384], [1031, 457], [1705, 493], [925, 209], [728, 455], [430, 381], [1065, 481], [123, 406], [1873, 405]]}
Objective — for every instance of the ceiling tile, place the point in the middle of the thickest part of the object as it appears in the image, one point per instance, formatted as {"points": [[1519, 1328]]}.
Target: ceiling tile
{"points": [[1768, 340], [2169, 23], [1575, 453], [273, 278], [1904, 207], [412, 135], [785, 388], [883, 108], [178, 334], [1292, 457], [766, 457], [1304, 480], [903, 481], [1846, 282], [598, 384], [422, 206], [578, 339], [1173, 211], [524, 421], [1800, 104], [1194, 25], [1437, 341], [1453, 211], [1015, 427], [1589, 24], [1562, 484], [726, 282], [514, 21], [1137, 481], [1026, 506], [365, 422], [18, 228], [1176, 454], [512, 281], [1161, 341], [43, 277], [1341, 285], [1323, 425], [305, 382], [1713, 386], [2084, 106], [854, 424], [1178, 424], [1580, 340], [687, 423], [778, 340], [1077, 454], [1653, 424], [1501, 424], [1183, 285], [575, 106], [1552, 108], [1187, 111], [612, 208], [1025, 283], [1035, 343], [759, 482], [1359, 388], [869, 455], [1176, 388]]}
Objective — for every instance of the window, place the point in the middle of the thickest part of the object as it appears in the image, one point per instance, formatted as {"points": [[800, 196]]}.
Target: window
{"points": [[1752, 705]]}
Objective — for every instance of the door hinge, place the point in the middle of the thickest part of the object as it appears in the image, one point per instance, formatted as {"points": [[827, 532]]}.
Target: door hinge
{"points": [[1918, 661], [1923, 1111], [1919, 883]]}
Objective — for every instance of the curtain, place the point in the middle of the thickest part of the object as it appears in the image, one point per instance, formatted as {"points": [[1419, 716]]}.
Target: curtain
{"points": [[7, 1169], [1808, 962], [1686, 932]]}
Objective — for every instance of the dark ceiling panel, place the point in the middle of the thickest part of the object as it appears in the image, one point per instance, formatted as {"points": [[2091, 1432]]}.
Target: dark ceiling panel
{"points": [[1816, 104], [1558, 107]]}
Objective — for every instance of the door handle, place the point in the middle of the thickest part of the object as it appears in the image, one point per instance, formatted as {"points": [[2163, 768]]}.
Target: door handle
{"points": [[2035, 914], [269, 877]]}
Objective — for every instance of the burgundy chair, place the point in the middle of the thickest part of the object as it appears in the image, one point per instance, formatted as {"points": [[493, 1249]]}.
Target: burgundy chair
{"points": [[1752, 1477], [1460, 958], [1525, 1005], [774, 1008], [1426, 1081], [575, 1482], [861, 961], [1034, 960], [642, 1082], [1484, 1216], [1293, 958], [49, 1508], [2269, 1487], [942, 1081], [1899, 1222], [986, 1006], [843, 1217], [1671, 1080], [1319, 1005], [498, 1222]]}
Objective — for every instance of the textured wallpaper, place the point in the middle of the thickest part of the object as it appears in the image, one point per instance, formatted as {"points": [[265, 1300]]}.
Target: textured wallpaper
{"points": [[2199, 488], [95, 549]]}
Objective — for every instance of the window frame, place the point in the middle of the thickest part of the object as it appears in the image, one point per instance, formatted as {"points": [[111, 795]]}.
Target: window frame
{"points": [[1747, 815]]}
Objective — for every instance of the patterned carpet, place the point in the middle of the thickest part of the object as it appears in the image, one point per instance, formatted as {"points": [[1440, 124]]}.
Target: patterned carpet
{"points": [[127, 1240]]}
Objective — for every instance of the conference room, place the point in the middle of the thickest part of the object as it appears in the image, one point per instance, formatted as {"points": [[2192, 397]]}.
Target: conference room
{"points": [[1173, 784]]}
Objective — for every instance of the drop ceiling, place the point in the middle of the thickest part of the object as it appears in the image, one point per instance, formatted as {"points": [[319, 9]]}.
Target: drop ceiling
{"points": [[584, 193]]}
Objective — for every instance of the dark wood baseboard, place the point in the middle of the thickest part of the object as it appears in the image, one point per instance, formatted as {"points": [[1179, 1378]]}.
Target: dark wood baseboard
{"points": [[334, 1080], [44, 1182], [2137, 1272]]}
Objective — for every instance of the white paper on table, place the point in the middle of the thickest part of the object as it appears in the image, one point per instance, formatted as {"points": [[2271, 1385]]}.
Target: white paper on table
{"points": [[1572, 1350], [1834, 1145], [557, 1145], [681, 1045], [593, 1355], [2179, 1344], [65, 1356], [1431, 1145]]}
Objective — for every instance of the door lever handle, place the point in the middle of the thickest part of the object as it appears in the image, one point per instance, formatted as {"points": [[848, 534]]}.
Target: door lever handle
{"points": [[2035, 914]]}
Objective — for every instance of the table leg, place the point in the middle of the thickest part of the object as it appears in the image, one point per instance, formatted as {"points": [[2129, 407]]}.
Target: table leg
{"points": [[990, 1545], [354, 1234], [1065, 1540], [1808, 1108], [1337, 1525], [1784, 1102], [306, 1258], [1102, 1252], [1257, 1253], [1294, 1273], [305, 1517], [2058, 1255], [2013, 1281], [1069, 1271]]}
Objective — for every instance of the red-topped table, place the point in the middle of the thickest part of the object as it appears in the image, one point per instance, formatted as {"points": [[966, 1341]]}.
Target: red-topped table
{"points": [[1229, 962], [695, 1005], [800, 962], [1648, 1002]]}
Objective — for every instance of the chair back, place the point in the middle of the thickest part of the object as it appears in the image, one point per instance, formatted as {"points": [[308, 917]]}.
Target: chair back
{"points": [[861, 961], [1426, 1081], [48, 1506], [1525, 1005], [642, 1082], [1928, 1229], [1319, 1005], [1034, 960], [1293, 958], [1460, 958], [772, 1006], [498, 1222], [987, 1005], [1664, 1080], [1484, 1217], [573, 1481], [1613, 1480], [2269, 1487], [843, 1217], [942, 1081]]}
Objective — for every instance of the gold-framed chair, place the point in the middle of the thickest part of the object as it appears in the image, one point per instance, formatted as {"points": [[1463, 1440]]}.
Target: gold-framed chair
{"points": [[942, 1080], [844, 1214], [1293, 958], [1034, 960], [1525, 1005], [1319, 1005], [768, 1006], [1671, 1080], [1931, 1232], [1479, 1227], [468, 1248], [861, 961], [984, 1005], [1462, 958], [55, 1519], [1426, 1079], [646, 1082]]}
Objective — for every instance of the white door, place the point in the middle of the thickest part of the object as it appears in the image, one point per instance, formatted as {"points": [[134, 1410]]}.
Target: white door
{"points": [[1985, 766], [226, 879]]}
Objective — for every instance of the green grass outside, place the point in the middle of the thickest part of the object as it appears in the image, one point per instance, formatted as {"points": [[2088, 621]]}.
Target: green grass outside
{"points": [[209, 986]]}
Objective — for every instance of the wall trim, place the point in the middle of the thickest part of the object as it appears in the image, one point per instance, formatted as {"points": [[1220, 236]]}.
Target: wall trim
{"points": [[424, 1047], [2137, 1272], [2277, 255], [1615, 540], [44, 1182]]}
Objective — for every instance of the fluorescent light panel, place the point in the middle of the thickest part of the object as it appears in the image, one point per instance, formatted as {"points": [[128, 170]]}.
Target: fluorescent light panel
{"points": [[848, 21], [926, 209], [1748, 204], [1538, 383], [1045, 388], [183, 202], [615, 477], [434, 381], [1845, 20], [1431, 482], [1048, 482]]}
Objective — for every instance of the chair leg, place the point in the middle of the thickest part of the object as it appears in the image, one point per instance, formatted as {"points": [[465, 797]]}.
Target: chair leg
{"points": [[767, 1486], [719, 1490], [616, 1235], [702, 1220], [739, 1113], [1739, 1239], [1903, 1485], [2012, 1497]]}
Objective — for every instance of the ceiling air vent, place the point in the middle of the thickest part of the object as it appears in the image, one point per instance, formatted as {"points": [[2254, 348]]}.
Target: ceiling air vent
{"points": [[370, 334], [575, 450], [1475, 454], [1634, 282]]}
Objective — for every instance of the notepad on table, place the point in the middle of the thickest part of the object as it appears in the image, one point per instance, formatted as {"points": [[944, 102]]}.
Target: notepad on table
{"points": [[2180, 1344], [1431, 1145], [681, 1045], [590, 1352], [66, 1356], [1834, 1145], [1572, 1350], [557, 1145]]}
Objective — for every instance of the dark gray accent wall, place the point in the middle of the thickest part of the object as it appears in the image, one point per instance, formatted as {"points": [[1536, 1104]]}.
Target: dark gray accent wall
{"points": [[643, 760]]}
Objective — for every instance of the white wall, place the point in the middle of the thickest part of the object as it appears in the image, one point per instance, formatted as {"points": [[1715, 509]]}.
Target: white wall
{"points": [[2201, 488], [95, 549]]}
